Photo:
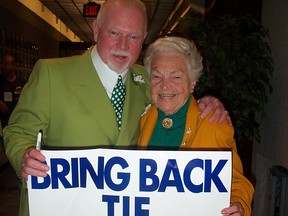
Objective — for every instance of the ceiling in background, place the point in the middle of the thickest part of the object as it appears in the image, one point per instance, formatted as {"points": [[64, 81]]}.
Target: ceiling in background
{"points": [[162, 15], [159, 12]]}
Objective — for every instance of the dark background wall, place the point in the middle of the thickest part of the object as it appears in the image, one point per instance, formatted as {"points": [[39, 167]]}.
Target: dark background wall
{"points": [[18, 20]]}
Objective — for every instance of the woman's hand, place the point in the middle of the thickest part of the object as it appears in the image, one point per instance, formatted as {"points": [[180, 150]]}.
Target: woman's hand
{"points": [[235, 209], [210, 104]]}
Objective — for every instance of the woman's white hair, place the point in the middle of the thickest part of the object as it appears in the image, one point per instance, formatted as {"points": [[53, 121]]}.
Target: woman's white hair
{"points": [[176, 44]]}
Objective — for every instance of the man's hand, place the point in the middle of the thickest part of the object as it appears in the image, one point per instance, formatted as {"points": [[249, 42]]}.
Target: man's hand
{"points": [[235, 209], [32, 164], [211, 104]]}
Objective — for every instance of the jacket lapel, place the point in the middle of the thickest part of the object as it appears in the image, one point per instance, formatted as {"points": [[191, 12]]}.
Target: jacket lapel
{"points": [[91, 92], [135, 103]]}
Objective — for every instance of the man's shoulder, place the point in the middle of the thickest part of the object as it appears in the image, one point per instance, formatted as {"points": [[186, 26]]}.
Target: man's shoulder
{"points": [[139, 71], [65, 66], [140, 81], [65, 60], [138, 67]]}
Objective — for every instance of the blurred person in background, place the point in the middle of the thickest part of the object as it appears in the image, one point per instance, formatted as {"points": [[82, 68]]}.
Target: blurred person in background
{"points": [[10, 88]]}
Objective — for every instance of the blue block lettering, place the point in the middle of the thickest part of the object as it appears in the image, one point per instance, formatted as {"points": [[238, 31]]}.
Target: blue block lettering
{"points": [[75, 172], [139, 201], [214, 176], [60, 175], [86, 166], [187, 173], [111, 200], [126, 206], [171, 168], [146, 174], [125, 177], [40, 185]]}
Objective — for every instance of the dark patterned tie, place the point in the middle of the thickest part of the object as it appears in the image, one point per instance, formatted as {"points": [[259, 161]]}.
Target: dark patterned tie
{"points": [[117, 99]]}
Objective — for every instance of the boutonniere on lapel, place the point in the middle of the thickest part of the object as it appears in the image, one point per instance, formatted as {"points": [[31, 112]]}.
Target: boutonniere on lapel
{"points": [[138, 79]]}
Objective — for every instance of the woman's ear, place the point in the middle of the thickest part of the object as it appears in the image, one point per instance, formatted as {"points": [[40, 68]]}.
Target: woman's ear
{"points": [[192, 86]]}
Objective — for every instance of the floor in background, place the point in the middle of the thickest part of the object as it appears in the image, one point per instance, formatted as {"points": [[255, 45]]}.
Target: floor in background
{"points": [[9, 191]]}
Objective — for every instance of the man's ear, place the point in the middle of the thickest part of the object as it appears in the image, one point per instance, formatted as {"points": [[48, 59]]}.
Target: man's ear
{"points": [[145, 35]]}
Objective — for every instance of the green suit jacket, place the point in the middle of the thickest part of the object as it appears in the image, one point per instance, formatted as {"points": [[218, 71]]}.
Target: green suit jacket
{"points": [[66, 99]]}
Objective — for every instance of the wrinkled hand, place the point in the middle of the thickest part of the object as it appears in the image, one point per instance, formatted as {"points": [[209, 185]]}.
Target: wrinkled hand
{"points": [[32, 164], [211, 104], [235, 209]]}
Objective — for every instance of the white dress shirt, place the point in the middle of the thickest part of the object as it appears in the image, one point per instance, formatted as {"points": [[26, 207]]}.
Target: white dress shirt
{"points": [[107, 76]]}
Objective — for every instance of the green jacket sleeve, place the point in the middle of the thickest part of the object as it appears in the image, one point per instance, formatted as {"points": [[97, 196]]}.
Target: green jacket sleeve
{"points": [[30, 115]]}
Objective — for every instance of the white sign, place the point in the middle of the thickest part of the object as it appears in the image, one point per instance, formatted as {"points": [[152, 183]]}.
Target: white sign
{"points": [[109, 182]]}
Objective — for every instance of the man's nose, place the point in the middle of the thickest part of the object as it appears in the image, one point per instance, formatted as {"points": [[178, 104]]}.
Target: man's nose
{"points": [[123, 43]]}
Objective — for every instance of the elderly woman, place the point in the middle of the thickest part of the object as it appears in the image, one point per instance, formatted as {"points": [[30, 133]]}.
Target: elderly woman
{"points": [[174, 66]]}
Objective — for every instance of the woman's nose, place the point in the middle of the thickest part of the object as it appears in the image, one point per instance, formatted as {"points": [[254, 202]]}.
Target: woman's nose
{"points": [[165, 83]]}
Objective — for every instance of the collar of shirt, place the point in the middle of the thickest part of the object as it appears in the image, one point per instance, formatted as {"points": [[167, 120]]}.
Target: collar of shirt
{"points": [[107, 76]]}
